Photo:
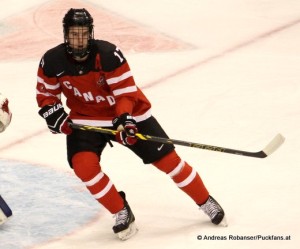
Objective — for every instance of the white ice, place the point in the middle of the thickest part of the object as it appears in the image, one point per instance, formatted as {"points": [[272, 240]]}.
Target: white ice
{"points": [[236, 84]]}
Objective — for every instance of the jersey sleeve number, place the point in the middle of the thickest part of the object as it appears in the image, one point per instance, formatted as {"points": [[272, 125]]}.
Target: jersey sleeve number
{"points": [[119, 54]]}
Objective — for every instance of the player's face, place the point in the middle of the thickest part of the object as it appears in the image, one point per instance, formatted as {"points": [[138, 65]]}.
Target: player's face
{"points": [[78, 37]]}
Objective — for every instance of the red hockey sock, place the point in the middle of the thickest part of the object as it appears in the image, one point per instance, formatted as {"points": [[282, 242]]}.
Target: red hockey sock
{"points": [[86, 166], [185, 177]]}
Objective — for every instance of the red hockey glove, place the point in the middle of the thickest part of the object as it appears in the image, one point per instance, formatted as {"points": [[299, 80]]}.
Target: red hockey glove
{"points": [[126, 126], [122, 138], [56, 118]]}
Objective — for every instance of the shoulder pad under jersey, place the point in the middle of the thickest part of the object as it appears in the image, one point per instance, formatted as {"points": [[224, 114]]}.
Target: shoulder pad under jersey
{"points": [[110, 55], [53, 59]]}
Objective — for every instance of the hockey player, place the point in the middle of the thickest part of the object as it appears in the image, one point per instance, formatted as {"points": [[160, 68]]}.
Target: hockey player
{"points": [[5, 118], [100, 90]]}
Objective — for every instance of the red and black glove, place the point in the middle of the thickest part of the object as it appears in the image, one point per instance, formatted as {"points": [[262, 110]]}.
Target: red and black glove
{"points": [[126, 127], [56, 118]]}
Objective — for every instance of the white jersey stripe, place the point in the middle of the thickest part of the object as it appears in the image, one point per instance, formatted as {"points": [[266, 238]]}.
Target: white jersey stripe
{"points": [[48, 94], [128, 89], [108, 123], [115, 80], [48, 86]]}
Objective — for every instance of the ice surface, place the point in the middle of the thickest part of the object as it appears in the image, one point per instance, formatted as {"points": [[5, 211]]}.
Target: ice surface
{"points": [[224, 73]]}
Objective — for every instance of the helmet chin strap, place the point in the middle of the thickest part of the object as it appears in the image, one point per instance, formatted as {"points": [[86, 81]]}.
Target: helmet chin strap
{"points": [[80, 53], [79, 58], [77, 54]]}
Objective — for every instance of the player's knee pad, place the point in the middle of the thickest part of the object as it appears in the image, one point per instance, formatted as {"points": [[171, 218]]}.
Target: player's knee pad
{"points": [[176, 168], [86, 165], [168, 163]]}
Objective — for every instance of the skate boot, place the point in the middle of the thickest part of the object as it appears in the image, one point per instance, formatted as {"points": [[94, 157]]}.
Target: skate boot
{"points": [[125, 227], [215, 212]]}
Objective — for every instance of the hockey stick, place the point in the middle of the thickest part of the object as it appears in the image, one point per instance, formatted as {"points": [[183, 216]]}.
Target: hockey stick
{"points": [[268, 150]]}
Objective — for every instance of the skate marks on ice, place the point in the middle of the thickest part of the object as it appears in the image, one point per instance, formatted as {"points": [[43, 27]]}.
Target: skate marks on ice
{"points": [[46, 204]]}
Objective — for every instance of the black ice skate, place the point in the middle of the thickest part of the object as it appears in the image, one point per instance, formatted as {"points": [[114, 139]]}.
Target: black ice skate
{"points": [[215, 212], [125, 226]]}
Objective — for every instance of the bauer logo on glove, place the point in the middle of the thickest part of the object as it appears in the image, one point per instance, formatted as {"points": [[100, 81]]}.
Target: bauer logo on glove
{"points": [[56, 118]]}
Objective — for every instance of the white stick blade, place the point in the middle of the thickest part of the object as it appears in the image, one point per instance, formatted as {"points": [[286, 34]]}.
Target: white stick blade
{"points": [[274, 144]]}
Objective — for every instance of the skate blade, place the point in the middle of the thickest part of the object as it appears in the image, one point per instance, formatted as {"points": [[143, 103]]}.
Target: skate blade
{"points": [[128, 233], [223, 223], [3, 217]]}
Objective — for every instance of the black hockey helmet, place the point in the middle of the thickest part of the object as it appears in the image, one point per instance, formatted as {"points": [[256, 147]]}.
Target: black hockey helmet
{"points": [[78, 17]]}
